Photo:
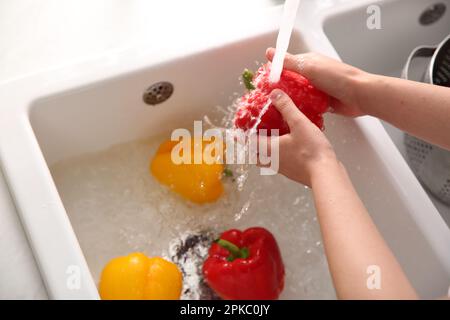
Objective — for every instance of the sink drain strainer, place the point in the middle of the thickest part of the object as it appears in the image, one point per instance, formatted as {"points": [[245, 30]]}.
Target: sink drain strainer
{"points": [[433, 14], [158, 93]]}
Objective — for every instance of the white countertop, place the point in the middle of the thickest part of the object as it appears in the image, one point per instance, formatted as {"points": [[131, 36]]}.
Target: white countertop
{"points": [[38, 35]]}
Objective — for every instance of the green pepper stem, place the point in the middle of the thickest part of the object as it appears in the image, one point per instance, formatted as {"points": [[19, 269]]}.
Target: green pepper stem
{"points": [[235, 251], [247, 77]]}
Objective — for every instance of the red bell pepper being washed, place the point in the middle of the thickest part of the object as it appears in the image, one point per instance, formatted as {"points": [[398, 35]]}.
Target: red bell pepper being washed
{"points": [[245, 266], [311, 101]]}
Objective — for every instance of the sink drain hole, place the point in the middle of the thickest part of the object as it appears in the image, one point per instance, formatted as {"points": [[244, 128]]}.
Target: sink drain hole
{"points": [[433, 14], [158, 93]]}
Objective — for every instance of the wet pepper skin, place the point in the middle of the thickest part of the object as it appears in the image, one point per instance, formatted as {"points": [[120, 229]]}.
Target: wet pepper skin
{"points": [[311, 101], [200, 183], [259, 276]]}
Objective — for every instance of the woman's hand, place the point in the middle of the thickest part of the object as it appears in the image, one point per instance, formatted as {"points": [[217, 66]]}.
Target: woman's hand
{"points": [[352, 241], [420, 109], [339, 80], [305, 150]]}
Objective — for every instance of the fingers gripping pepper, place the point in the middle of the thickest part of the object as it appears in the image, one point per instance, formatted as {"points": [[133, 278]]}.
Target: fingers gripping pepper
{"points": [[311, 101]]}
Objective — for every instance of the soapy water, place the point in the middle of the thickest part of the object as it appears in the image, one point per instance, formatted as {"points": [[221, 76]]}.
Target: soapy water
{"points": [[117, 207]]}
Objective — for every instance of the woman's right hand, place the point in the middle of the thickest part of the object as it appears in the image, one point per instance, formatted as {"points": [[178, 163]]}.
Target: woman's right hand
{"points": [[305, 151], [339, 80]]}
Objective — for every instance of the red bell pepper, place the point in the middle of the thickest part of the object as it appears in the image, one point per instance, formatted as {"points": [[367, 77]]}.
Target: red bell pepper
{"points": [[245, 266], [310, 100]]}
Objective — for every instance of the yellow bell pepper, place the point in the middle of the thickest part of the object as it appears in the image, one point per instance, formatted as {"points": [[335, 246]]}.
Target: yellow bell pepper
{"points": [[200, 183], [137, 277]]}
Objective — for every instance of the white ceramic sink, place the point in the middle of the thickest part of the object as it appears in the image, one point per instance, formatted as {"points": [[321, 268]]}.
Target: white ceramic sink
{"points": [[89, 107]]}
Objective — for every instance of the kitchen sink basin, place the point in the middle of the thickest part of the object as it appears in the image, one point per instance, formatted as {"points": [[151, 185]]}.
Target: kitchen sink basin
{"points": [[74, 126], [77, 110]]}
